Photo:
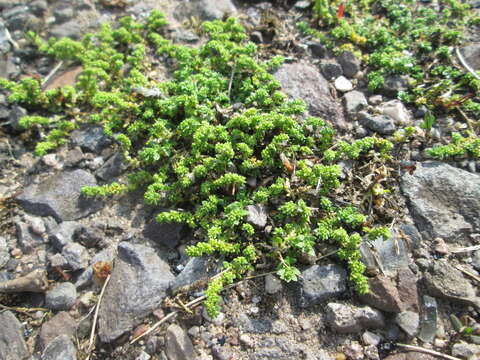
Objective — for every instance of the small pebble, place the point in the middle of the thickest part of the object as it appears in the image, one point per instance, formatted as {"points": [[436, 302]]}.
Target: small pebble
{"points": [[343, 84]]}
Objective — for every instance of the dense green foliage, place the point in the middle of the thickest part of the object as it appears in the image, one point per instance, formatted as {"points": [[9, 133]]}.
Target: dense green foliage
{"points": [[215, 138]]}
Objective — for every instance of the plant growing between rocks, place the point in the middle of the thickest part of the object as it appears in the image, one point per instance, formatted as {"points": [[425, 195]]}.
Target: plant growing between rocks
{"points": [[216, 138]]}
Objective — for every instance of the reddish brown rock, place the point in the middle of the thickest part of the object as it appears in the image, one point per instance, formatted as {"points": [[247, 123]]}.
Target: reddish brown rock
{"points": [[407, 289], [383, 295], [60, 324]]}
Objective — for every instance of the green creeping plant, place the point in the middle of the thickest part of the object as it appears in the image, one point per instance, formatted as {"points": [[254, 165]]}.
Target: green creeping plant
{"points": [[220, 121]]}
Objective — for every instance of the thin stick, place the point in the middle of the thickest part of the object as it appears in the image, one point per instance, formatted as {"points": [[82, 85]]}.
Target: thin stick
{"points": [[465, 249], [427, 351], [54, 70], [95, 318], [465, 64], [467, 119], [473, 276], [231, 79], [168, 316], [22, 310]]}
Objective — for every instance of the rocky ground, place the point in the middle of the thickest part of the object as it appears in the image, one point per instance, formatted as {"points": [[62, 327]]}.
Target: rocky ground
{"points": [[57, 248]]}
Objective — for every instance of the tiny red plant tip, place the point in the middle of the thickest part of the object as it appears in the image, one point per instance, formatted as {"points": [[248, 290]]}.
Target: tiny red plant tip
{"points": [[341, 8]]}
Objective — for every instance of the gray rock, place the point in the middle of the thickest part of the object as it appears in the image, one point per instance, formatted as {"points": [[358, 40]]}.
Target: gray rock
{"points": [[61, 324], [331, 70], [15, 115], [370, 338], [197, 269], [471, 54], [9, 70], [26, 238], [88, 236], [5, 45], [354, 102], [443, 200], [143, 356], [272, 284], [466, 351], [428, 320], [59, 196], [63, 234], [91, 139], [178, 345], [38, 7], [4, 255], [58, 260], [409, 322], [165, 234], [345, 318], [303, 4], [61, 297], [382, 124], [257, 215], [63, 14], [383, 295], [397, 111], [12, 344], [138, 285], [212, 10], [71, 29], [445, 281], [76, 255], [112, 168], [317, 49], [74, 156], [303, 81], [253, 325], [395, 83], [321, 283], [350, 64], [61, 348]]}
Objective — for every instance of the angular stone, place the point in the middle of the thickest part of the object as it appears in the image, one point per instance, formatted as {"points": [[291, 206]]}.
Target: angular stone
{"points": [[178, 345], [350, 64], [395, 83], [59, 196], [197, 269], [60, 324], [321, 283], [408, 289], [392, 255], [381, 124], [331, 70], [409, 322], [112, 168], [466, 351], [383, 295], [137, 286], [35, 281], [27, 239], [444, 281], [12, 344], [61, 348], [61, 297], [76, 255], [443, 200], [397, 111], [165, 234], [91, 139], [272, 284], [86, 278], [345, 318], [257, 215], [63, 234], [71, 29], [303, 81], [354, 102]]}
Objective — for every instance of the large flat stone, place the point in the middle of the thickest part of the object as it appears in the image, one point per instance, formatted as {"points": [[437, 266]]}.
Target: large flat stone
{"points": [[304, 81], [444, 200], [59, 196], [138, 285], [12, 344]]}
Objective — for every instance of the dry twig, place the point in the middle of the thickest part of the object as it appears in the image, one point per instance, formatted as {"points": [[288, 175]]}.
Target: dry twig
{"points": [[427, 351], [95, 318]]}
